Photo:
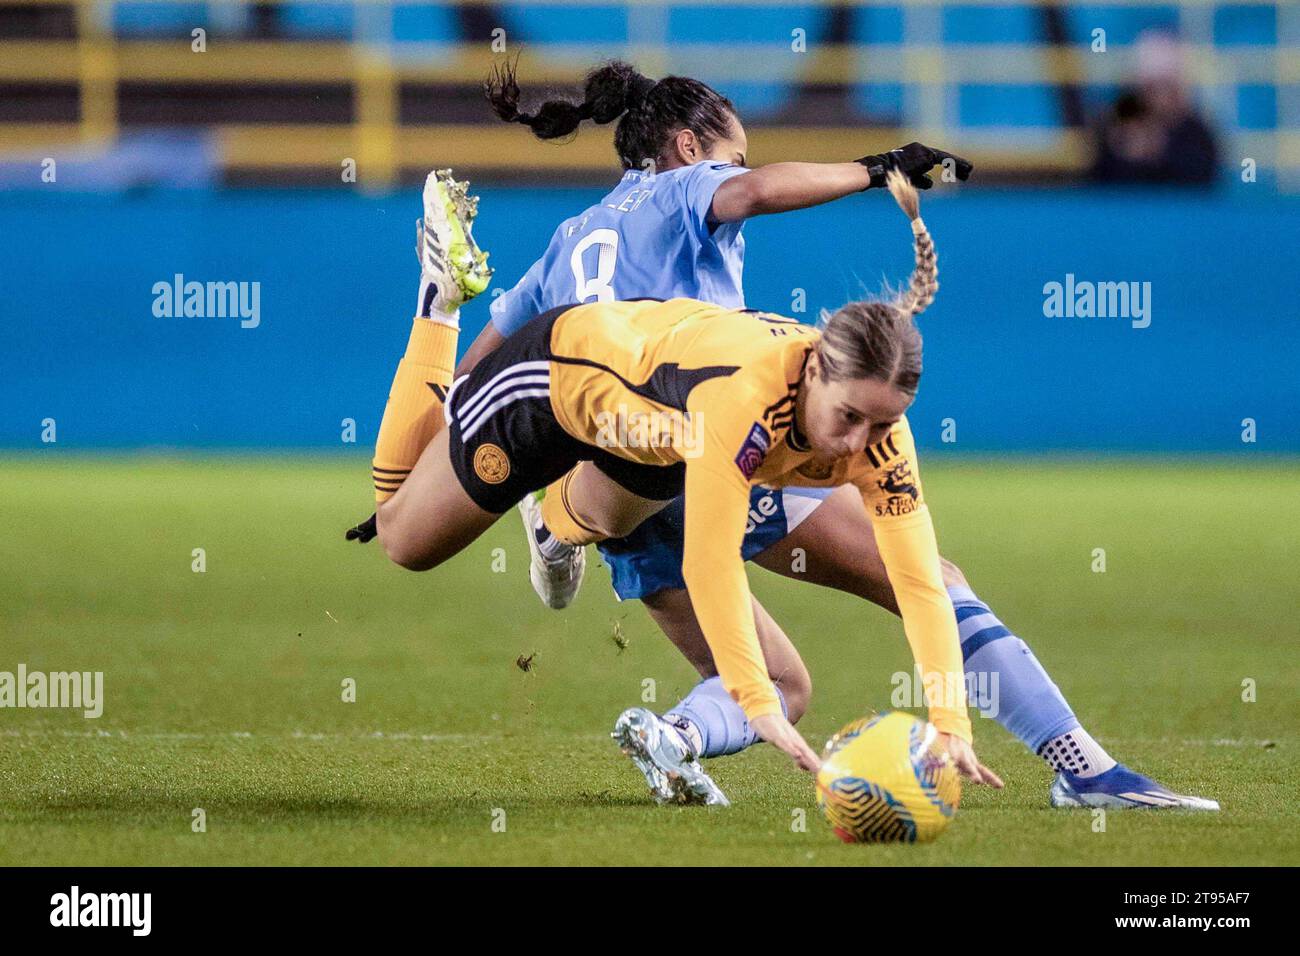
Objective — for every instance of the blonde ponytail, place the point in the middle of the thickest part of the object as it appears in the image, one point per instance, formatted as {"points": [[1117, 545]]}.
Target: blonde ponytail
{"points": [[879, 339], [925, 275]]}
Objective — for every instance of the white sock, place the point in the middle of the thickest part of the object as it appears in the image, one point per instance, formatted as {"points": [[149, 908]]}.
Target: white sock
{"points": [[690, 734], [427, 306], [552, 548], [1078, 753]]}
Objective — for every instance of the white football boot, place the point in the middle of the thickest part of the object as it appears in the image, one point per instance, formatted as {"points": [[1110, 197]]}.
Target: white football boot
{"points": [[452, 267], [452, 270], [555, 579], [662, 755]]}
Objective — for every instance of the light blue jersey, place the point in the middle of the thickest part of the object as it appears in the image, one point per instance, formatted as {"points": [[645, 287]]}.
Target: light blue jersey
{"points": [[650, 237]]}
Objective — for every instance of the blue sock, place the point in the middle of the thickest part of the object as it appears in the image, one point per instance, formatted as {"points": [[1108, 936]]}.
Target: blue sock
{"points": [[1009, 683], [717, 725]]}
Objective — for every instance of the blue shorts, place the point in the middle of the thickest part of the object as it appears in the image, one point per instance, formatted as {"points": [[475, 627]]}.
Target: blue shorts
{"points": [[650, 558]]}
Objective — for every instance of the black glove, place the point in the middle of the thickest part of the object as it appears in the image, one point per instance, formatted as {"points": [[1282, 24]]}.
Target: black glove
{"points": [[914, 160], [363, 532]]}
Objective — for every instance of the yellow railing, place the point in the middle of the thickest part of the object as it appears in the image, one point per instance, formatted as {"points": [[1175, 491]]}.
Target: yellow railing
{"points": [[98, 63]]}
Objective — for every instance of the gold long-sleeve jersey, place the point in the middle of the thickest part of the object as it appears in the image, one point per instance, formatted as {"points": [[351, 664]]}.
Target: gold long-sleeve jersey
{"points": [[686, 381]]}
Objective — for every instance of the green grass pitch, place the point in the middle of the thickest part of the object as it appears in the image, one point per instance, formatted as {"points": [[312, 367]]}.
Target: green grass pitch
{"points": [[223, 688]]}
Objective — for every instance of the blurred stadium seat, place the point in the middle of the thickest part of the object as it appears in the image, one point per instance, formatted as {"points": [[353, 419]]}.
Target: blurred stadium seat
{"points": [[319, 20], [145, 18], [424, 23], [287, 90]]}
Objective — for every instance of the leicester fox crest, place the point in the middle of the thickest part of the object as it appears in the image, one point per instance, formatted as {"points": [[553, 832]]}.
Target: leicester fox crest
{"points": [[900, 487]]}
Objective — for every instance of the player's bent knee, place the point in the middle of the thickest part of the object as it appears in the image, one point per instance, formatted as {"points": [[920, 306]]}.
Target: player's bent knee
{"points": [[402, 553], [797, 691], [402, 547], [604, 526], [796, 704]]}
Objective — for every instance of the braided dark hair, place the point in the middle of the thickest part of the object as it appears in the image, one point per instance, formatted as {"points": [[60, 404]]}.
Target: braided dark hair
{"points": [[649, 113]]}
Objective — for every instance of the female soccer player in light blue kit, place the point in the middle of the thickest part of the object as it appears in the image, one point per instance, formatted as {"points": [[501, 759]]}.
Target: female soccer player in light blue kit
{"points": [[673, 227]]}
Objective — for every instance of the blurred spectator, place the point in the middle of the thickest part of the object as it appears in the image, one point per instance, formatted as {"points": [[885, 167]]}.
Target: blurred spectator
{"points": [[264, 21], [1152, 134]]}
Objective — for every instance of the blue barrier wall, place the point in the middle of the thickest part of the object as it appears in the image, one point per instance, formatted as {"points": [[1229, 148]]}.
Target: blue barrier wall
{"points": [[80, 342]]}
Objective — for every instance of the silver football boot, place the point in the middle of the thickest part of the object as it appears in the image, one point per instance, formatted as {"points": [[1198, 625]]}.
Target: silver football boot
{"points": [[658, 751]]}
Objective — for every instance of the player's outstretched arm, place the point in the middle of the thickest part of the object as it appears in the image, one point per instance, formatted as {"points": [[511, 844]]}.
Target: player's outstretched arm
{"points": [[904, 533], [717, 496], [782, 187]]}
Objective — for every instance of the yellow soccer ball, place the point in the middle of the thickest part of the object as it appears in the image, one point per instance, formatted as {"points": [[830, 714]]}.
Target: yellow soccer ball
{"points": [[885, 779]]}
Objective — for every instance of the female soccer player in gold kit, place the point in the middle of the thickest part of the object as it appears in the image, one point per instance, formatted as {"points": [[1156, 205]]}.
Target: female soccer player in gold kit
{"points": [[731, 398]]}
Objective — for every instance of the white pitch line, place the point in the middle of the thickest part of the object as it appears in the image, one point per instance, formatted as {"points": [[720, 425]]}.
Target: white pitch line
{"points": [[435, 738], [250, 735]]}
